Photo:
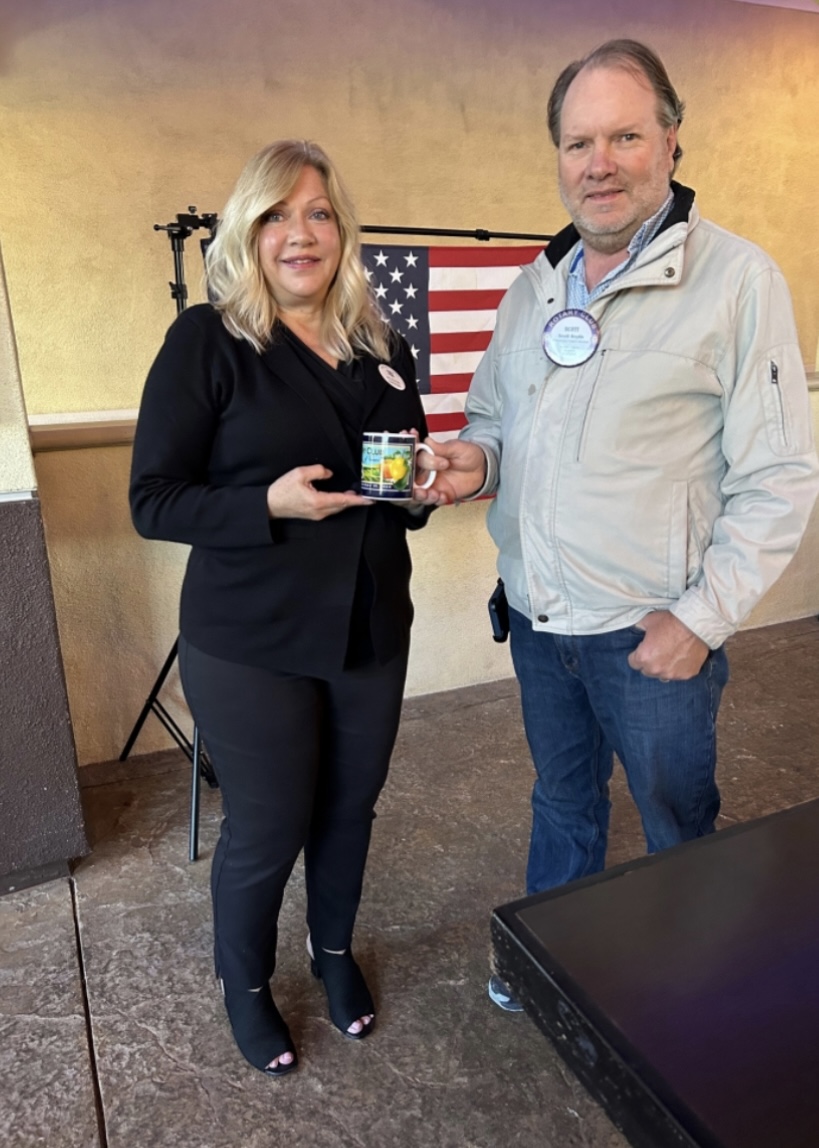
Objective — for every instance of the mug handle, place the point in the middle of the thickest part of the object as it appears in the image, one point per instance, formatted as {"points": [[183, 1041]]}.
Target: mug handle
{"points": [[433, 474]]}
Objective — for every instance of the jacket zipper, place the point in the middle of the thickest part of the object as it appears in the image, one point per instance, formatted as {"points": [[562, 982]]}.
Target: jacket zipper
{"points": [[779, 404]]}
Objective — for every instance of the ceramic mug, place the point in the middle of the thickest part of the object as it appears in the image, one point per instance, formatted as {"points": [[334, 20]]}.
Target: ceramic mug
{"points": [[388, 465]]}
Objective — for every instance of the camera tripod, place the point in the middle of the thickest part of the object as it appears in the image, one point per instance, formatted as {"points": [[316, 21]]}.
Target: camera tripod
{"points": [[178, 231]]}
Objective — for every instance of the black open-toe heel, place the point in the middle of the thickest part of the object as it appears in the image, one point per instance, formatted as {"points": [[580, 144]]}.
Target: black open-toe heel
{"points": [[348, 997], [259, 1029]]}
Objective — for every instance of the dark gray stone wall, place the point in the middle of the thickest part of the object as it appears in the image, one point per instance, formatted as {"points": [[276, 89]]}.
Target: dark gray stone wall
{"points": [[41, 821]]}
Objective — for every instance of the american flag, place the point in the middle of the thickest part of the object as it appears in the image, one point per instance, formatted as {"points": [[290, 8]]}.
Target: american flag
{"points": [[443, 301]]}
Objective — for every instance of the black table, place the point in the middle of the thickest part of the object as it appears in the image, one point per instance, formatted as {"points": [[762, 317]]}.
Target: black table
{"points": [[683, 988]]}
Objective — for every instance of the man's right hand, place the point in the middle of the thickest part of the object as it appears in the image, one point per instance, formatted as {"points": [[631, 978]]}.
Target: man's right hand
{"points": [[461, 468]]}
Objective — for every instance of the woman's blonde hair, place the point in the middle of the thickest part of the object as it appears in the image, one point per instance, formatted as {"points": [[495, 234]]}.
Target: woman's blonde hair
{"points": [[236, 284]]}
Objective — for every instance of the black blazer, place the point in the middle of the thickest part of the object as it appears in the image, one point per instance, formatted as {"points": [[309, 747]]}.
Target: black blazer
{"points": [[217, 424]]}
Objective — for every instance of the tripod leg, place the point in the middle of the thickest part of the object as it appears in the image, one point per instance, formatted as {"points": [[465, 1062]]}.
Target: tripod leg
{"points": [[152, 696], [193, 848]]}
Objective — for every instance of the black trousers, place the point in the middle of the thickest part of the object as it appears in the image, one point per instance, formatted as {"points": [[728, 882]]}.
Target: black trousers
{"points": [[300, 763]]}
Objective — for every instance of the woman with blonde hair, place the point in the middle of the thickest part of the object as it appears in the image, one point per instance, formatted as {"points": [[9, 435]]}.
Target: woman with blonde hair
{"points": [[295, 610]]}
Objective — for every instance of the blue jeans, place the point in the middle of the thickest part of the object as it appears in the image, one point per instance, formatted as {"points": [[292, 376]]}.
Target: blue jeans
{"points": [[582, 703]]}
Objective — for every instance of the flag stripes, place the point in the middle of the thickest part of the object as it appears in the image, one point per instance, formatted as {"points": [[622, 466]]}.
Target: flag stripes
{"points": [[443, 300]]}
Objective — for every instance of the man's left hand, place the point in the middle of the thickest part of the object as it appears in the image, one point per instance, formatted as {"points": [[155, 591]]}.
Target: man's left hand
{"points": [[669, 651]]}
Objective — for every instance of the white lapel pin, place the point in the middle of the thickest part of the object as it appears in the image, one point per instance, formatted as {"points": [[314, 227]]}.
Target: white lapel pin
{"points": [[392, 377]]}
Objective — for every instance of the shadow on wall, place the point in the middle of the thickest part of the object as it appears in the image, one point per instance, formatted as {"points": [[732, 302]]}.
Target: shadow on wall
{"points": [[17, 21], [20, 20]]}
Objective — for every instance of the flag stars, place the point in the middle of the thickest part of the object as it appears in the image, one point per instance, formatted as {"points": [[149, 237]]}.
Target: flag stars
{"points": [[398, 282]]}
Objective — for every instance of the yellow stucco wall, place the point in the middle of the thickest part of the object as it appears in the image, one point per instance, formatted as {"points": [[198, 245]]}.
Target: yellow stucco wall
{"points": [[115, 115]]}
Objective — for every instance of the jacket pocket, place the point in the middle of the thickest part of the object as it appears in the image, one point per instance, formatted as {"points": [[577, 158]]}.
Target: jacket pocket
{"points": [[678, 540], [788, 427], [688, 532], [777, 423], [699, 537]]}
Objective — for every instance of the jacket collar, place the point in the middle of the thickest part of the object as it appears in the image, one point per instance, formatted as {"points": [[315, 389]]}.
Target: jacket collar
{"points": [[566, 239]]}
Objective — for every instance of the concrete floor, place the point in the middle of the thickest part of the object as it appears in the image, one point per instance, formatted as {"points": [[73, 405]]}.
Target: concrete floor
{"points": [[111, 1028]]}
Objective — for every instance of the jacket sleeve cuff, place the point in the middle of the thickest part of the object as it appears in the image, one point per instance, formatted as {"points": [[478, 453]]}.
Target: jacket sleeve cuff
{"points": [[711, 627], [490, 483]]}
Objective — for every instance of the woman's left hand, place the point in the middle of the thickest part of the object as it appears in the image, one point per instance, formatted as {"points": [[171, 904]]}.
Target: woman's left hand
{"points": [[294, 496]]}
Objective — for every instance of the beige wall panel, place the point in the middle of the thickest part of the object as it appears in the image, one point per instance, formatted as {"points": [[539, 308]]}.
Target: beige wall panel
{"points": [[454, 574], [116, 596]]}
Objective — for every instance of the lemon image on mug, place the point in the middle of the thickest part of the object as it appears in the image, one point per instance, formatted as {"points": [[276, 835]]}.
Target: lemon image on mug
{"points": [[395, 469]]}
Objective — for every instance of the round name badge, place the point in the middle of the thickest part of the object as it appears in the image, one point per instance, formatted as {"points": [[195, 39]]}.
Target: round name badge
{"points": [[392, 377], [571, 337]]}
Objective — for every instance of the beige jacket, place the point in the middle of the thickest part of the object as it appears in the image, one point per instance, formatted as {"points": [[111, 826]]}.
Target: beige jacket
{"points": [[673, 470]]}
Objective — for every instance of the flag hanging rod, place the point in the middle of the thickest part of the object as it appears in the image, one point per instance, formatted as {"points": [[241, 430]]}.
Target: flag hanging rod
{"points": [[478, 233]]}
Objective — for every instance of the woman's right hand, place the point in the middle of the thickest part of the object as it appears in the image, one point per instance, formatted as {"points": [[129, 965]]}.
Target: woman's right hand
{"points": [[294, 496]]}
